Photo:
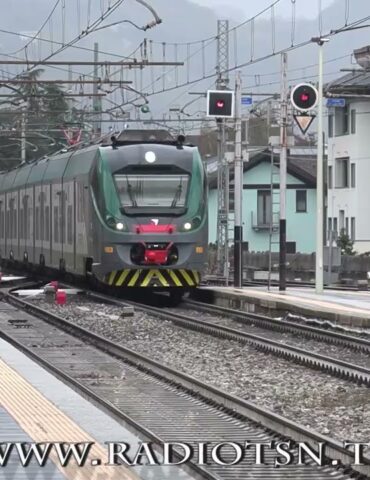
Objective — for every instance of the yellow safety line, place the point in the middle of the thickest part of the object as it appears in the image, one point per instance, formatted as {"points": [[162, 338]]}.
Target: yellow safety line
{"points": [[45, 423], [122, 277], [111, 277], [132, 282], [187, 278], [162, 278], [147, 279], [175, 278], [196, 276]]}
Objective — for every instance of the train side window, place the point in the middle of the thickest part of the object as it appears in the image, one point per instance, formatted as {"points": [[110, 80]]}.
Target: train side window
{"points": [[2, 218], [56, 225], [47, 223], [20, 222], [24, 220], [7, 219], [15, 229], [29, 216], [37, 223], [69, 225]]}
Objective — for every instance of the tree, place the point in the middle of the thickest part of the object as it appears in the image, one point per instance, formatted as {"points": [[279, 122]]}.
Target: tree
{"points": [[47, 113], [345, 243]]}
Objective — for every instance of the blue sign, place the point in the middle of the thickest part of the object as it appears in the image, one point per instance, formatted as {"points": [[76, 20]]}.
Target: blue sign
{"points": [[336, 102], [247, 101]]}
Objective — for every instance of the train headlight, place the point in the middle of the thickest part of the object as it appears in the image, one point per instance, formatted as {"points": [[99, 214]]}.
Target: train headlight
{"points": [[187, 226], [150, 157], [111, 222], [120, 226]]}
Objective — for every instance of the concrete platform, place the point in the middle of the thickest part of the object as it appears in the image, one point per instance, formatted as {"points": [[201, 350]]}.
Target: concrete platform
{"points": [[346, 308], [37, 407]]}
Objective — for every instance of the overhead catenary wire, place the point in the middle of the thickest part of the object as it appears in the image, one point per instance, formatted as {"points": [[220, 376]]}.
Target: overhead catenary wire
{"points": [[34, 37], [257, 60]]}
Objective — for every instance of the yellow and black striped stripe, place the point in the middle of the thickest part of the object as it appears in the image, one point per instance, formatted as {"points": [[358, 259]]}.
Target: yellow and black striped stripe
{"points": [[153, 278]]}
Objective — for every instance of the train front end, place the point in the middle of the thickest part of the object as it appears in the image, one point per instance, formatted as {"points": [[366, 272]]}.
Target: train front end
{"points": [[151, 200]]}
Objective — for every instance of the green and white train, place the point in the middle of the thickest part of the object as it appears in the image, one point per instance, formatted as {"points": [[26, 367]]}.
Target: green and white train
{"points": [[132, 214]]}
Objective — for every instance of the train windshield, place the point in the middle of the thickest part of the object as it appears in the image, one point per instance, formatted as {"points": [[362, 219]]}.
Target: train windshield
{"points": [[151, 193]]}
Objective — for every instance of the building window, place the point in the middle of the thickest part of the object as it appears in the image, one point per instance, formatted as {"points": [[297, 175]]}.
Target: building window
{"points": [[335, 224], [353, 175], [342, 173], [353, 122], [347, 226], [331, 125], [330, 177], [353, 228], [341, 121], [263, 207], [301, 201], [330, 224], [231, 199], [341, 221], [291, 247]]}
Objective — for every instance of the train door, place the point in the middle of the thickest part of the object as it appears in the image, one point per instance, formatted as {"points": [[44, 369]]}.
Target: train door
{"points": [[29, 223], [2, 225], [74, 213], [57, 224], [22, 216], [8, 224], [13, 220], [82, 219], [39, 222], [17, 207], [68, 245], [46, 223]]}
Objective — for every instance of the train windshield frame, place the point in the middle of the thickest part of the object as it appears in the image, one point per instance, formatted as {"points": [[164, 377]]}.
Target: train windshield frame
{"points": [[148, 193]]}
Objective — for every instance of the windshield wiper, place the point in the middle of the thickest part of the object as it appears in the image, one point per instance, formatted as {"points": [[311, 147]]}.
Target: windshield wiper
{"points": [[177, 196], [131, 193]]}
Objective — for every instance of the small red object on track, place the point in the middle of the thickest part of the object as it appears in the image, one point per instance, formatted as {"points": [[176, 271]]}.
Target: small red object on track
{"points": [[60, 297]]}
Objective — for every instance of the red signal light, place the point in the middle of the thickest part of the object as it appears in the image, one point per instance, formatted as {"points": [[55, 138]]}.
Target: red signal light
{"points": [[220, 104], [305, 97]]}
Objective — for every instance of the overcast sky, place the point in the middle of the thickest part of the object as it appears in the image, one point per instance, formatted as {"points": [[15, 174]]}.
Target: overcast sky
{"points": [[235, 8], [185, 21]]}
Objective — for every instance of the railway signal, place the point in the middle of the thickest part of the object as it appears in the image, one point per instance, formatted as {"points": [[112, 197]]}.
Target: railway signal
{"points": [[220, 103], [304, 97]]}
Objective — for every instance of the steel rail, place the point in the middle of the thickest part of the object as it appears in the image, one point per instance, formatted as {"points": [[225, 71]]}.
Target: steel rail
{"points": [[230, 404], [332, 337], [334, 367]]}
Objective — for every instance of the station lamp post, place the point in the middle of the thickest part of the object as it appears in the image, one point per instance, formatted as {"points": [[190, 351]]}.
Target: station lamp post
{"points": [[319, 278]]}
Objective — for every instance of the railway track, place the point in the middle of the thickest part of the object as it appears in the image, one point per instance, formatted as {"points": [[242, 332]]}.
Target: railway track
{"points": [[163, 398], [327, 333], [332, 366]]}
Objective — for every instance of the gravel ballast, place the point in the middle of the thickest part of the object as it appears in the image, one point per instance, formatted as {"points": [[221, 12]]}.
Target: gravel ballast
{"points": [[311, 345], [331, 406]]}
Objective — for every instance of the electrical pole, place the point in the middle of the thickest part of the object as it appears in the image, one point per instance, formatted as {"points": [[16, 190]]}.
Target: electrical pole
{"points": [[23, 139], [238, 185], [97, 103], [320, 176], [222, 165], [283, 171]]}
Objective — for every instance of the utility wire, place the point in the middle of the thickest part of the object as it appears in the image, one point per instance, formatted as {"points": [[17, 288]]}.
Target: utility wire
{"points": [[34, 37], [257, 60]]}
